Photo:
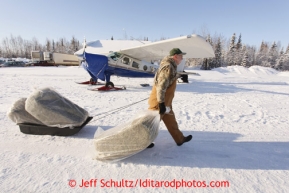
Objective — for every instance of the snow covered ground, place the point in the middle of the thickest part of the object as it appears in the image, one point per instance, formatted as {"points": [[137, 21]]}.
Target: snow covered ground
{"points": [[237, 116]]}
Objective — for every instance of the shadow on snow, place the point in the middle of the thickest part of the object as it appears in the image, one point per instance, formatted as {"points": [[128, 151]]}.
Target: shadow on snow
{"points": [[225, 87], [215, 150]]}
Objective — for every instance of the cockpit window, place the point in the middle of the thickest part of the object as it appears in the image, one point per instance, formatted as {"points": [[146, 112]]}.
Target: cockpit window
{"points": [[114, 56]]}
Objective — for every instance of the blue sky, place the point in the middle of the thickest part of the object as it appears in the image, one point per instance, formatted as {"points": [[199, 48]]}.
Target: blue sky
{"points": [[256, 20]]}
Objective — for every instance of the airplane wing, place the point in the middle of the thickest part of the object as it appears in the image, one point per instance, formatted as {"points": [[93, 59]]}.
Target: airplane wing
{"points": [[194, 45]]}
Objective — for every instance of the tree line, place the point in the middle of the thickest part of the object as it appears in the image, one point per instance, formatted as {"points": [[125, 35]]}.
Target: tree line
{"points": [[228, 52], [237, 53], [16, 46]]}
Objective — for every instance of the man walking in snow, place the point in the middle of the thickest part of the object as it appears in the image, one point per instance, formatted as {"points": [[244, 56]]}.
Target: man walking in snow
{"points": [[163, 91]]}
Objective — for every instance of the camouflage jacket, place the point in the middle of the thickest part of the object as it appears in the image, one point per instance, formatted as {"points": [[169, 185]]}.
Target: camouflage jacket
{"points": [[165, 76]]}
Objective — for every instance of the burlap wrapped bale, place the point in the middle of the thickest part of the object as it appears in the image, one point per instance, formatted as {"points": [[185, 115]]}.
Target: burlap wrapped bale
{"points": [[126, 140], [54, 110], [18, 114]]}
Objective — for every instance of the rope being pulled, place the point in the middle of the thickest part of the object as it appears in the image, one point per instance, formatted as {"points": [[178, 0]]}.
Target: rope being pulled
{"points": [[105, 114]]}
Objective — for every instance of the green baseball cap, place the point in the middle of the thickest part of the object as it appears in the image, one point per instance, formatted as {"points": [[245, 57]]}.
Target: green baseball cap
{"points": [[176, 51]]}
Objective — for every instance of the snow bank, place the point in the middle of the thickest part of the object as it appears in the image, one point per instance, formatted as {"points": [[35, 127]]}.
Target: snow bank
{"points": [[253, 71], [259, 70]]}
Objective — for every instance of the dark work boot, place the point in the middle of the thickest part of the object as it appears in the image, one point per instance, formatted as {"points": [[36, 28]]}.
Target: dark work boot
{"points": [[151, 145], [187, 139]]}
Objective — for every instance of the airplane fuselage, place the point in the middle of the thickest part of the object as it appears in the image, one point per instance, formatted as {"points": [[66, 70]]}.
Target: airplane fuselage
{"points": [[127, 66]]}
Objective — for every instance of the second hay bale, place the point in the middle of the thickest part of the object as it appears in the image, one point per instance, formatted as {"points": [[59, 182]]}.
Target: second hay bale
{"points": [[54, 110]]}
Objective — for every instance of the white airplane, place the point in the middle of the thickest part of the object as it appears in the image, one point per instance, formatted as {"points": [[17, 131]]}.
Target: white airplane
{"points": [[131, 58]]}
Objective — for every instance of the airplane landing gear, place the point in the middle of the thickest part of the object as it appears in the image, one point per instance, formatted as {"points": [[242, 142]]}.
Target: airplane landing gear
{"points": [[109, 84]]}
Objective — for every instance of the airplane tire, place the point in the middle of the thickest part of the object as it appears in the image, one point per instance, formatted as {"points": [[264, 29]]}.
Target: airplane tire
{"points": [[109, 84], [91, 81]]}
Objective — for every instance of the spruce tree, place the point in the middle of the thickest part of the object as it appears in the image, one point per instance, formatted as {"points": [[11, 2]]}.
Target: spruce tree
{"points": [[261, 57], [251, 52], [238, 51], [231, 52], [245, 57], [273, 55], [218, 54], [280, 61], [239, 43]]}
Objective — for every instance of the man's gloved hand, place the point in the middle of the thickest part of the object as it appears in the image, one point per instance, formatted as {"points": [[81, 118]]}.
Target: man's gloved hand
{"points": [[162, 108]]}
